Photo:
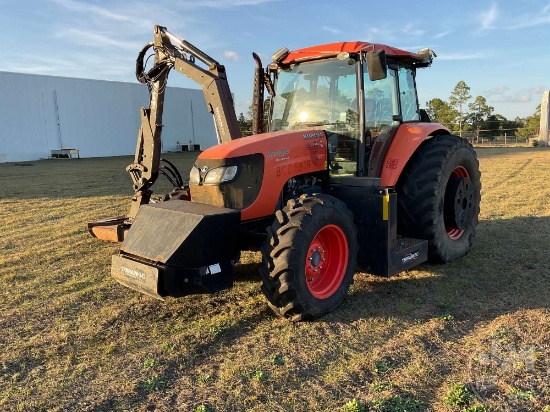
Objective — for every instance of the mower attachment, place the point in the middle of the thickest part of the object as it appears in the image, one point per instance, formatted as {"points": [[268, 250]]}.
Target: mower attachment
{"points": [[177, 248], [111, 230]]}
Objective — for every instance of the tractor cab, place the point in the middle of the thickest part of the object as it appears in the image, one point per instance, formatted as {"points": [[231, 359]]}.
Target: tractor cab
{"points": [[357, 98]]}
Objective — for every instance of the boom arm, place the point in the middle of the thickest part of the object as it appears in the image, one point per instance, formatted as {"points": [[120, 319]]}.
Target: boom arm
{"points": [[173, 52]]}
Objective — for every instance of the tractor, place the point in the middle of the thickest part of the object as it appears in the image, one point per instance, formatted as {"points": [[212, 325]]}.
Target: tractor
{"points": [[343, 173]]}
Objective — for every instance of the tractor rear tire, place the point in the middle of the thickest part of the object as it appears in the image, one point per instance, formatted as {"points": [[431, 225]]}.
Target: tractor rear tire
{"points": [[438, 197], [309, 257]]}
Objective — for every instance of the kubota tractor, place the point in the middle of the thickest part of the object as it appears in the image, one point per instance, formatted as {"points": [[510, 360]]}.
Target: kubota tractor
{"points": [[349, 176]]}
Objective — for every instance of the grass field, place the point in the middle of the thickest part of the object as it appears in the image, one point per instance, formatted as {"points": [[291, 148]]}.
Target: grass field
{"points": [[473, 335]]}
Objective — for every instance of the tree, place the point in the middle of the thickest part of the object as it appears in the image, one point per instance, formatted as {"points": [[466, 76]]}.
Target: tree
{"points": [[265, 119], [498, 125], [441, 112], [244, 124], [457, 100], [479, 112], [531, 125]]}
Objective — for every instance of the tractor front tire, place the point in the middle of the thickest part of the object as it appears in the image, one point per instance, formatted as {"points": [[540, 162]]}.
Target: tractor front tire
{"points": [[438, 197], [309, 257]]}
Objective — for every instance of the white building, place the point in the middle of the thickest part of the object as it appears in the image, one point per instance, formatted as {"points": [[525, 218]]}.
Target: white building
{"points": [[39, 114]]}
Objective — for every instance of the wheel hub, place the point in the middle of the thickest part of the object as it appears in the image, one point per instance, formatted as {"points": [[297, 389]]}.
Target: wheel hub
{"points": [[459, 202], [316, 257], [315, 260]]}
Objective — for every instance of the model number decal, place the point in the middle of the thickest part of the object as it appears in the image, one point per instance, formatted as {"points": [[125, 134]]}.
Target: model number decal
{"points": [[411, 256], [278, 153], [132, 273], [293, 168]]}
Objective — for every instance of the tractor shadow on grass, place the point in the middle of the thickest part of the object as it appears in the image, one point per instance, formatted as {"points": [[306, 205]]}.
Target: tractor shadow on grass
{"points": [[247, 272], [506, 270]]}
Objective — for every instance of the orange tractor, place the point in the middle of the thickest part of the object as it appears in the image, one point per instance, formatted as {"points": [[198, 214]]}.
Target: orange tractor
{"points": [[349, 175]]}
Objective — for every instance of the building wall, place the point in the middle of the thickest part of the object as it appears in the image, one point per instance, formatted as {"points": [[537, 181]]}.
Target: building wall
{"points": [[99, 118]]}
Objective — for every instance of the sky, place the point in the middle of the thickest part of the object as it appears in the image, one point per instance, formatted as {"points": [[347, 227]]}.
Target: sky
{"points": [[500, 49]]}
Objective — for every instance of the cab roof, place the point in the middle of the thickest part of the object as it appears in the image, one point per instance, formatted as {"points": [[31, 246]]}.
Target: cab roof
{"points": [[332, 49]]}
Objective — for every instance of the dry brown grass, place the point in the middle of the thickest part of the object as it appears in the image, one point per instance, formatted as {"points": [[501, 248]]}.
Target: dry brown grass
{"points": [[73, 339]]}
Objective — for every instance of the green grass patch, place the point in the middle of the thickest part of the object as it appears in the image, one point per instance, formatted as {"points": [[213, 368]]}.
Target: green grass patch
{"points": [[74, 339]]}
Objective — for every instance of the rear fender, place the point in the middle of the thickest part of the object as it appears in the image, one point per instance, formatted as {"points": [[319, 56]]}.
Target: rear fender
{"points": [[407, 139]]}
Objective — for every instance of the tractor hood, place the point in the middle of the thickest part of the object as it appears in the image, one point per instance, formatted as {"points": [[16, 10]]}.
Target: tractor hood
{"points": [[264, 163], [262, 143]]}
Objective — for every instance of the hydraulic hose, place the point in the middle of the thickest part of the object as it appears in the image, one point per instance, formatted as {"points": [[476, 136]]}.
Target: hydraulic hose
{"points": [[140, 63]]}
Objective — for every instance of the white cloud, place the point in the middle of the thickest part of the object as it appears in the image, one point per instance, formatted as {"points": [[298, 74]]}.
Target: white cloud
{"points": [[489, 17], [537, 90], [131, 15], [92, 39], [522, 96], [231, 55], [529, 21], [379, 35], [48, 70], [90, 8], [221, 4], [496, 91], [331, 30], [517, 98], [460, 56], [443, 34], [410, 30]]}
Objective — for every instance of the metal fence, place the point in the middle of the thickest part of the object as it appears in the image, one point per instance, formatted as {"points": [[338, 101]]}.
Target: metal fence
{"points": [[502, 141]]}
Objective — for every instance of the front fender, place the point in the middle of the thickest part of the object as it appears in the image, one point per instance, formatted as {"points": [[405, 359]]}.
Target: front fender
{"points": [[407, 139]]}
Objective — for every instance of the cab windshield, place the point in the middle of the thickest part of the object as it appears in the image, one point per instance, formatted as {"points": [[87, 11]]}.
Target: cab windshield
{"points": [[319, 94]]}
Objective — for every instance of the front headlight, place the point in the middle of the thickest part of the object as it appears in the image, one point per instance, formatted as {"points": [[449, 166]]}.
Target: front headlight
{"points": [[195, 175], [220, 175]]}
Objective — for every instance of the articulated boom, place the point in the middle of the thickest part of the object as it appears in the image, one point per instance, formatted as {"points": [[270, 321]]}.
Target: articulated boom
{"points": [[173, 52], [170, 52]]}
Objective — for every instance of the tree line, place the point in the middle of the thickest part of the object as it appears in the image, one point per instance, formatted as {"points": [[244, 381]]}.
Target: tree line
{"points": [[476, 118]]}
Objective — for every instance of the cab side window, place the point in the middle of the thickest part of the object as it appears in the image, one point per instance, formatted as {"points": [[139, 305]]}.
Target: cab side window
{"points": [[407, 95], [381, 102]]}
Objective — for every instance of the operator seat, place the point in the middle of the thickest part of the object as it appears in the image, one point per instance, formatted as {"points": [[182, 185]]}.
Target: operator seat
{"points": [[370, 120]]}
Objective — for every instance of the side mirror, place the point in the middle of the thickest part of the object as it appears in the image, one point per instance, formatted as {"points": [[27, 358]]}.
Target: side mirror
{"points": [[376, 65]]}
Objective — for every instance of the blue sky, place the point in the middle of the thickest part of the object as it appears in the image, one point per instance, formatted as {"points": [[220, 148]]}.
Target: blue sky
{"points": [[500, 49]]}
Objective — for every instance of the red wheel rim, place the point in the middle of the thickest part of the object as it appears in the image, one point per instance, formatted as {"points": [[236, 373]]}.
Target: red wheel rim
{"points": [[453, 232], [326, 261]]}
